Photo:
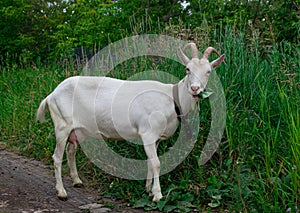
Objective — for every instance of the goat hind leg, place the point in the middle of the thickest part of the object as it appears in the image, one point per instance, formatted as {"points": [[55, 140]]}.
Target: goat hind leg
{"points": [[58, 158], [71, 152]]}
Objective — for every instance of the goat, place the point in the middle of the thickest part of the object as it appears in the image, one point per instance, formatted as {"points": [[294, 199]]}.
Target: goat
{"points": [[100, 107]]}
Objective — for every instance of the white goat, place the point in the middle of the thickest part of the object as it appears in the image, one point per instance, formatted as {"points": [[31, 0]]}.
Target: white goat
{"points": [[102, 107]]}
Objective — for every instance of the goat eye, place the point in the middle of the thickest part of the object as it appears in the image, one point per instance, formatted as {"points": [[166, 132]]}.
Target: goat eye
{"points": [[187, 71], [208, 72]]}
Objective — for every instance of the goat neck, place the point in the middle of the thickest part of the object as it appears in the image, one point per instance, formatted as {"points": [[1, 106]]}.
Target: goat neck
{"points": [[185, 98]]}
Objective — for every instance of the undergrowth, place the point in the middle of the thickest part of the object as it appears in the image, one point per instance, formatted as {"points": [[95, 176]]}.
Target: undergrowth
{"points": [[256, 168]]}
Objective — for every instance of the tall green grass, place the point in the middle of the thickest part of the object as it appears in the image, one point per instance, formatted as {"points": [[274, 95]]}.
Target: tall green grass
{"points": [[256, 168], [21, 91]]}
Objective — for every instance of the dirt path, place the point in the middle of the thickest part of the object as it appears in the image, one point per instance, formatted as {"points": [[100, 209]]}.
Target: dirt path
{"points": [[27, 185]]}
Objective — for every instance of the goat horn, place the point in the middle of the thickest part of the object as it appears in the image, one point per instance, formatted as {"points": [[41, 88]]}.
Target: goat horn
{"points": [[182, 56], [208, 51], [195, 51]]}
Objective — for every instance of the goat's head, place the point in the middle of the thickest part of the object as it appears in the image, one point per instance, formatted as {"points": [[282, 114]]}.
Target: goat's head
{"points": [[198, 70]]}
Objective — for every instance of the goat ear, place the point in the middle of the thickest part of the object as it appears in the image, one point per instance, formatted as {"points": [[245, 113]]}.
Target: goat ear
{"points": [[218, 61]]}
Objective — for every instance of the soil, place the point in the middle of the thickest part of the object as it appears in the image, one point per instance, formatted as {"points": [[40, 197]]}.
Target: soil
{"points": [[28, 185]]}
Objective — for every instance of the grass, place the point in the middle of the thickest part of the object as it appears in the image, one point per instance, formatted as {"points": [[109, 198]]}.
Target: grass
{"points": [[256, 168]]}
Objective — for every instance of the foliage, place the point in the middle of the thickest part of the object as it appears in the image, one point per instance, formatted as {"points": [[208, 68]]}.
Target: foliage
{"points": [[274, 20], [54, 29], [256, 168], [176, 200]]}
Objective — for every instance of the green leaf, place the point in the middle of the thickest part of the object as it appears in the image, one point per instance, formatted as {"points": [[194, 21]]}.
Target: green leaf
{"points": [[214, 204], [206, 94], [217, 197], [143, 202], [169, 208], [161, 204]]}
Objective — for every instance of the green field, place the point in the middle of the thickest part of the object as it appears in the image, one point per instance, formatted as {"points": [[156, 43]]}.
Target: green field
{"points": [[255, 169]]}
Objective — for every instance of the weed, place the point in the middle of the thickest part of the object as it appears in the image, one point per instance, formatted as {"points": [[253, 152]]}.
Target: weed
{"points": [[256, 168]]}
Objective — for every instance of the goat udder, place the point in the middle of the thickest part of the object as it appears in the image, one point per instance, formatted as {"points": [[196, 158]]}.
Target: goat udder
{"points": [[73, 139]]}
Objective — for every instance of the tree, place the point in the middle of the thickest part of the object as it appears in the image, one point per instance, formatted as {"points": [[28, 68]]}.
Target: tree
{"points": [[12, 21]]}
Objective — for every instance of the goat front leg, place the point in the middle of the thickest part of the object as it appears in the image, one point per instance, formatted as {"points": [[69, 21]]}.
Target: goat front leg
{"points": [[154, 163], [149, 178], [150, 175]]}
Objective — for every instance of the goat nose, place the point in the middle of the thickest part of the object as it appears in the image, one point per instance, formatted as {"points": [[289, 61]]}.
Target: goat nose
{"points": [[195, 88]]}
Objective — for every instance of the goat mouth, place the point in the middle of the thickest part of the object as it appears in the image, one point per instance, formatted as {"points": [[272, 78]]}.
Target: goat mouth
{"points": [[196, 97]]}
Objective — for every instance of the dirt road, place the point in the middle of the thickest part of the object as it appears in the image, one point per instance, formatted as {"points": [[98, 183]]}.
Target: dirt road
{"points": [[27, 185]]}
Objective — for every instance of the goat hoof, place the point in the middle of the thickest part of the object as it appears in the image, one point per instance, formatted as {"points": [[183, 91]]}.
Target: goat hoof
{"points": [[63, 198], [157, 197], [62, 195], [78, 185]]}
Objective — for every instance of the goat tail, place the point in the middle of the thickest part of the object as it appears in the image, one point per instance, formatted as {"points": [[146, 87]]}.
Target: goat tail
{"points": [[40, 115]]}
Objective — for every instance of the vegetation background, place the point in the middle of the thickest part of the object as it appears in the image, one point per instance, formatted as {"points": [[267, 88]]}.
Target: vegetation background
{"points": [[256, 168]]}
